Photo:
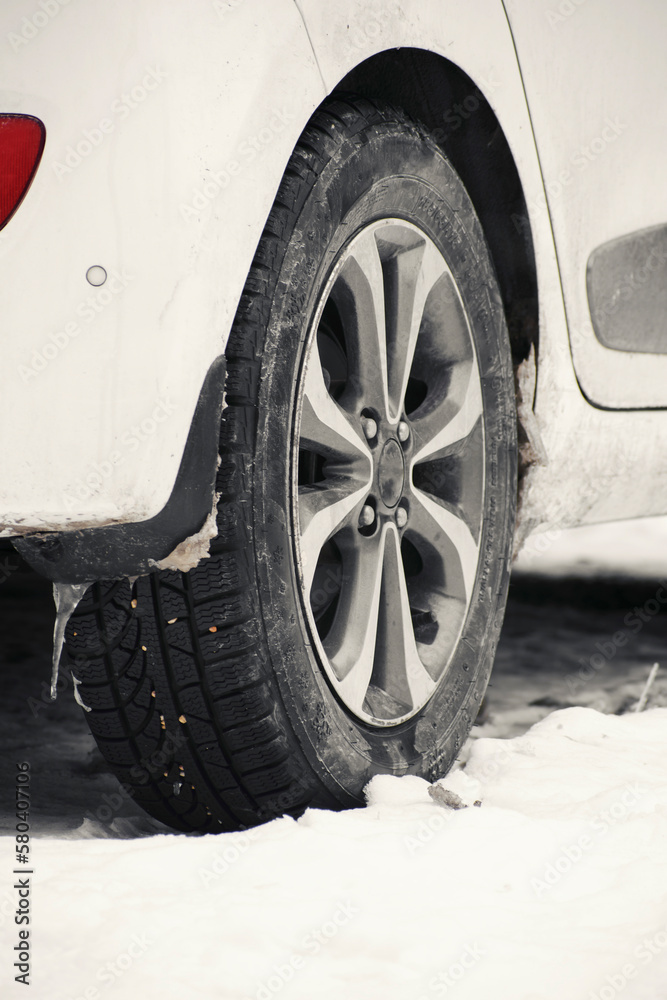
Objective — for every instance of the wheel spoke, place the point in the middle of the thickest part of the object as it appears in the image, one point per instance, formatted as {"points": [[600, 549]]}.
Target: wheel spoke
{"points": [[363, 281], [411, 275], [325, 427], [452, 419], [440, 528], [399, 670], [323, 511], [350, 645], [390, 497]]}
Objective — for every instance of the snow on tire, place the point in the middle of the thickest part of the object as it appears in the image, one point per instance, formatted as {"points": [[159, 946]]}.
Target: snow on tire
{"points": [[346, 622]]}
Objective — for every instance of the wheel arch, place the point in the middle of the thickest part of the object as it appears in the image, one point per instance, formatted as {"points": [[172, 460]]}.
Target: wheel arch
{"points": [[429, 88]]}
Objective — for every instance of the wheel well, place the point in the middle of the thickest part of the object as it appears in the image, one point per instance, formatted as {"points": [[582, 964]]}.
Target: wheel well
{"points": [[437, 93]]}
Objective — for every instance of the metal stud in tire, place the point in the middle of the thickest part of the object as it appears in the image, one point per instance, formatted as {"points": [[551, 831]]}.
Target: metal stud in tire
{"points": [[346, 622]]}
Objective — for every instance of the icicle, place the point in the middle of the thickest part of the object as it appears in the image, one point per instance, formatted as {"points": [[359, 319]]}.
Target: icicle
{"points": [[77, 697], [641, 704], [66, 597]]}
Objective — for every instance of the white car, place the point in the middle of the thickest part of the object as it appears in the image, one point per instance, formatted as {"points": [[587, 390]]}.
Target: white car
{"points": [[279, 276]]}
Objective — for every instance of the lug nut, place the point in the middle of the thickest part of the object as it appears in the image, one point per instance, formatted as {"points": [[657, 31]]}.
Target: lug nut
{"points": [[401, 517], [403, 431], [367, 516], [370, 427]]}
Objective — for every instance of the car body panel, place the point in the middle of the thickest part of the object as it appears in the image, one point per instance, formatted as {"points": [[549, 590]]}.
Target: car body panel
{"points": [[169, 192], [590, 464], [171, 199], [596, 76]]}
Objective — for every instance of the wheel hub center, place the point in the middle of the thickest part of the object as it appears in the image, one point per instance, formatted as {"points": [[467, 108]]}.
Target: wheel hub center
{"points": [[391, 473]]}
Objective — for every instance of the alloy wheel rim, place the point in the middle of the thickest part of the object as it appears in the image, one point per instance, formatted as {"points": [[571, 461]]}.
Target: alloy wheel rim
{"points": [[388, 472]]}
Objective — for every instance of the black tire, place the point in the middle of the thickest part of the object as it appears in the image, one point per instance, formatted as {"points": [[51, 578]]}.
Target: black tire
{"points": [[218, 699]]}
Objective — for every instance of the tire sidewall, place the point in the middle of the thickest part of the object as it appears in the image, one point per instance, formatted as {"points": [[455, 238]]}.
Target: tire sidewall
{"points": [[395, 172]]}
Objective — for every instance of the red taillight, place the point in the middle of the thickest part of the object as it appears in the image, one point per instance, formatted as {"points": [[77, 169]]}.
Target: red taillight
{"points": [[21, 145]]}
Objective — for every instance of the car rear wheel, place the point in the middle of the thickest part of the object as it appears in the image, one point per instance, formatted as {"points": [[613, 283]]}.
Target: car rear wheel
{"points": [[346, 621]]}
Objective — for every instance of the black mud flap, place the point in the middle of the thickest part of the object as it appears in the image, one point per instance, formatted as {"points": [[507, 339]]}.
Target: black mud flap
{"points": [[121, 550]]}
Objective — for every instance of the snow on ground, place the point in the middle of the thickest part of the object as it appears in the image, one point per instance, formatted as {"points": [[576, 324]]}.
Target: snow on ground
{"points": [[633, 548], [554, 887]]}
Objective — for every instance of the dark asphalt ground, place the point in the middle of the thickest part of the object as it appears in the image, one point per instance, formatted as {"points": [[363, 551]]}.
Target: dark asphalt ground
{"points": [[562, 645]]}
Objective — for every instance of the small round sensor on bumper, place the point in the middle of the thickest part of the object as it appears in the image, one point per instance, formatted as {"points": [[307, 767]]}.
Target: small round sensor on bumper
{"points": [[96, 275]]}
